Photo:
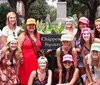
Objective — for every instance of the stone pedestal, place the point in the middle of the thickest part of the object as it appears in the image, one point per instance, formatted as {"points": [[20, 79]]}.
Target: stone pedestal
{"points": [[61, 12], [98, 11]]}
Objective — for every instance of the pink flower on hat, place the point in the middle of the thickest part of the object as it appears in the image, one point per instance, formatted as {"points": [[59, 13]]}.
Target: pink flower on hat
{"points": [[84, 20], [67, 57]]}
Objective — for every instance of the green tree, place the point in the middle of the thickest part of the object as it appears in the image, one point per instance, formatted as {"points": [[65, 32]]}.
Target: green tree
{"points": [[38, 9], [4, 9], [88, 7], [27, 4]]}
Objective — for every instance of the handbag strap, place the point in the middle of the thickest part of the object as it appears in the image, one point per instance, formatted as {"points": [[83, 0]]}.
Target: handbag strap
{"points": [[34, 45]]}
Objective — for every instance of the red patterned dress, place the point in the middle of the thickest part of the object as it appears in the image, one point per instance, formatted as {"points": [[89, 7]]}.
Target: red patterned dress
{"points": [[9, 69], [30, 59]]}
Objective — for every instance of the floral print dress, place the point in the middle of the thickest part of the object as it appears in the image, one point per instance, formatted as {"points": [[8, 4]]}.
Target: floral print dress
{"points": [[9, 67]]}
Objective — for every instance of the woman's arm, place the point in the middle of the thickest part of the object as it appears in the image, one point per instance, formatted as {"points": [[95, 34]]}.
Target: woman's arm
{"points": [[87, 69], [21, 39], [58, 58], [74, 79], [59, 65], [49, 81], [74, 53], [4, 40], [32, 77]]}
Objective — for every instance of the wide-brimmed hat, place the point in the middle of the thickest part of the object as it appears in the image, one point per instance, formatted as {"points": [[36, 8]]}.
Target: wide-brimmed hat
{"points": [[66, 37], [84, 20], [95, 46], [67, 57], [30, 21]]}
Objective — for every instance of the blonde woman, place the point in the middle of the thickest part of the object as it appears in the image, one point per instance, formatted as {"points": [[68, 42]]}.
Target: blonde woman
{"points": [[11, 28], [10, 59], [70, 27], [92, 64], [41, 76]]}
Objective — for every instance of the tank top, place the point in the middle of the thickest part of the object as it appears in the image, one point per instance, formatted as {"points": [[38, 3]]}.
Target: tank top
{"points": [[38, 82], [62, 53], [96, 73]]}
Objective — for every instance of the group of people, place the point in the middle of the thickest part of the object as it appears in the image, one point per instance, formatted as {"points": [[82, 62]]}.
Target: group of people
{"points": [[78, 57]]}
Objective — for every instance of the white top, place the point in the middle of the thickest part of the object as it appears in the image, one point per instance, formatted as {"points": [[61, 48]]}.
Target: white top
{"points": [[96, 74], [6, 31], [72, 33]]}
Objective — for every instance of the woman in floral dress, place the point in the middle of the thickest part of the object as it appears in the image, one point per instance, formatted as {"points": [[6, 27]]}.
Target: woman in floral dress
{"points": [[9, 62]]}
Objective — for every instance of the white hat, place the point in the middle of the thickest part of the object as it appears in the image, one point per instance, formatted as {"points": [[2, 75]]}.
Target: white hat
{"points": [[95, 46], [66, 37], [11, 38], [67, 57], [42, 58]]}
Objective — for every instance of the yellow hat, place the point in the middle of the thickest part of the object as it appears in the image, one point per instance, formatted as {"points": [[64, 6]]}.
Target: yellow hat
{"points": [[30, 21]]}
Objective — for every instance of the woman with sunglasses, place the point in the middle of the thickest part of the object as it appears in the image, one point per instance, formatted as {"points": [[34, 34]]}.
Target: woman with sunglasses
{"points": [[11, 28], [66, 48], [29, 42], [92, 64], [70, 73], [10, 59]]}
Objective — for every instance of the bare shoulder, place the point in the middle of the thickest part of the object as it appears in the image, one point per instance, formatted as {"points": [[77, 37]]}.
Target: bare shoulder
{"points": [[76, 69], [33, 73], [58, 49], [96, 40], [73, 49], [21, 37], [49, 71]]}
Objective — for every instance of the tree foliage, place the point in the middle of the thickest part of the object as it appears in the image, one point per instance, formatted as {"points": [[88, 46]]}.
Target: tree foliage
{"points": [[4, 9]]}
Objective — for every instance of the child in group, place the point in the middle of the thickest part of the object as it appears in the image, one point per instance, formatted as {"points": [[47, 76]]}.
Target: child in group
{"points": [[41, 76]]}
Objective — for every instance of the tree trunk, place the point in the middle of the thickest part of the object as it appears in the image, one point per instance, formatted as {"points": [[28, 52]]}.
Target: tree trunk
{"points": [[92, 14], [13, 4]]}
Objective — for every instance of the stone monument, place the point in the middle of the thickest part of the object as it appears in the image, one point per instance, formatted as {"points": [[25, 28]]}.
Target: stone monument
{"points": [[61, 12], [98, 12]]}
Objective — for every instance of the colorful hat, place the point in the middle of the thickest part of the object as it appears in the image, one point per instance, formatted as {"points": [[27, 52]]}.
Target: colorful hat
{"points": [[84, 20], [8, 15], [66, 37], [97, 21], [95, 46], [42, 58], [67, 57], [30, 21], [86, 30], [11, 38]]}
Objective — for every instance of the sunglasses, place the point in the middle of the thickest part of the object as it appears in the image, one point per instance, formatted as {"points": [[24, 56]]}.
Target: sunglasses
{"points": [[31, 25], [67, 62], [94, 51]]}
